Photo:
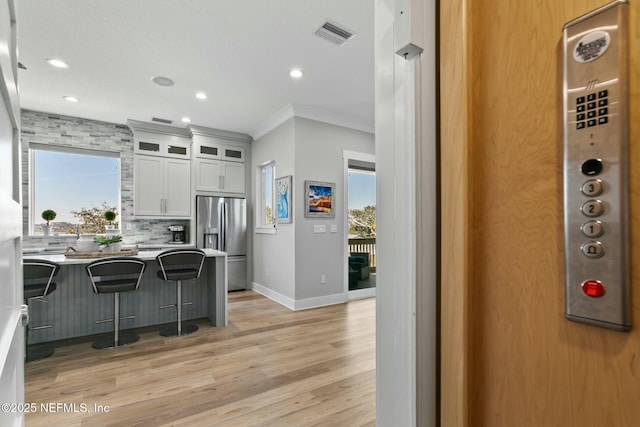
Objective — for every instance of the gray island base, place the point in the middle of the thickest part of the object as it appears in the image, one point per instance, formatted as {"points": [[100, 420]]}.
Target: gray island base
{"points": [[73, 309]]}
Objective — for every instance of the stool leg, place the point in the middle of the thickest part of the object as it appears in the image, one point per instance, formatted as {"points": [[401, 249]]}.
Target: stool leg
{"points": [[116, 318], [34, 354], [179, 329], [118, 339], [179, 305]]}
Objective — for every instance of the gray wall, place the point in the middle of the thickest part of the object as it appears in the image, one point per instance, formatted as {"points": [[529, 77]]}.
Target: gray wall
{"points": [[319, 148], [54, 129], [296, 256], [275, 252]]}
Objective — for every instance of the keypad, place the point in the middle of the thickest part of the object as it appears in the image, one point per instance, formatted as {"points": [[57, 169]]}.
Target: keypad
{"points": [[592, 208], [596, 106]]}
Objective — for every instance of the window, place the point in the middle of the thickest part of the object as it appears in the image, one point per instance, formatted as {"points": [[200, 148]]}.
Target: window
{"points": [[72, 182], [265, 180]]}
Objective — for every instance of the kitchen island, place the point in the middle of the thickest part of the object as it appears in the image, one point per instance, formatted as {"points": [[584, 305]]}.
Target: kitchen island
{"points": [[73, 309]]}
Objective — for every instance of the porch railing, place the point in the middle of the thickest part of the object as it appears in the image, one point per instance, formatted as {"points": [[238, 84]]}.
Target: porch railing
{"points": [[365, 244]]}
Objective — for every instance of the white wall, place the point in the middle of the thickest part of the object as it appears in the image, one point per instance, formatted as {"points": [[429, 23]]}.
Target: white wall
{"points": [[275, 252], [296, 256]]}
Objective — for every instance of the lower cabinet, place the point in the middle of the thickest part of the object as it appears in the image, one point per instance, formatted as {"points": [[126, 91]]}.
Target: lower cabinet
{"points": [[162, 187], [220, 176]]}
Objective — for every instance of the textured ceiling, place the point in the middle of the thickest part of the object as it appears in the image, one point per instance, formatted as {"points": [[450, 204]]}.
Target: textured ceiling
{"points": [[237, 51]]}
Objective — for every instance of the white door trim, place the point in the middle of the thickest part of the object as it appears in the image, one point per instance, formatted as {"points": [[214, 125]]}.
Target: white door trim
{"points": [[346, 156]]}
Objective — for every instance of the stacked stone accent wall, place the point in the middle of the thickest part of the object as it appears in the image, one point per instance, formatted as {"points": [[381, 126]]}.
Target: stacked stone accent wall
{"points": [[54, 129]]}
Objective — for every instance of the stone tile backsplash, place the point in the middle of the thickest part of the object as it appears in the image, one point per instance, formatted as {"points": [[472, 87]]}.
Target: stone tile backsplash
{"points": [[54, 129]]}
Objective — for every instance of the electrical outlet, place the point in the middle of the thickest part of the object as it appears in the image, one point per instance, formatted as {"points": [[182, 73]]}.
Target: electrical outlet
{"points": [[128, 226], [334, 228], [266, 272], [323, 279]]}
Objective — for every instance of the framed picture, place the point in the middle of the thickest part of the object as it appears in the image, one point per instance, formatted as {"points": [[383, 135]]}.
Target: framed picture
{"points": [[320, 199], [284, 205]]}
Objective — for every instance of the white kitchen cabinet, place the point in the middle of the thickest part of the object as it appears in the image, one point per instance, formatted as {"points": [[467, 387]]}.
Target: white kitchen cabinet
{"points": [[232, 153], [150, 144], [219, 176], [162, 187]]}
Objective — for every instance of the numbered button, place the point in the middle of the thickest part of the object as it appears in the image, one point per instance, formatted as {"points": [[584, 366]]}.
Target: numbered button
{"points": [[592, 188], [592, 208], [592, 229], [592, 249]]}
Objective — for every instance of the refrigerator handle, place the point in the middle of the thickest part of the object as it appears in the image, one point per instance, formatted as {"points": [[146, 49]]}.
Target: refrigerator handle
{"points": [[226, 225], [221, 228]]}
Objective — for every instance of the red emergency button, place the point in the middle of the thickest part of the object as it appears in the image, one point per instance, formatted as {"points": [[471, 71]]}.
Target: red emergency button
{"points": [[593, 288]]}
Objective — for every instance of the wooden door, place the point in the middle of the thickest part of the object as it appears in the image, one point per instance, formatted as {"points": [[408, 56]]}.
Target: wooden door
{"points": [[508, 355], [11, 327]]}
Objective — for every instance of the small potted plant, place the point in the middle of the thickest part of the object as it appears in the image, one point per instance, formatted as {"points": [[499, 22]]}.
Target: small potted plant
{"points": [[109, 216], [48, 215], [110, 243]]}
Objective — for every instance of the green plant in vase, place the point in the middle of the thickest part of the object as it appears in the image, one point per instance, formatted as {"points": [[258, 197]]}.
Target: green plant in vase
{"points": [[110, 243], [109, 216], [48, 215]]}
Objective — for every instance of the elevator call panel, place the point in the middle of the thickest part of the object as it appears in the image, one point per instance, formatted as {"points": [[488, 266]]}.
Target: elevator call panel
{"points": [[596, 181]]}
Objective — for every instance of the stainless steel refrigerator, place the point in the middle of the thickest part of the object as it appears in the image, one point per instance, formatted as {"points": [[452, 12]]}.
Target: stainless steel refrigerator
{"points": [[221, 223]]}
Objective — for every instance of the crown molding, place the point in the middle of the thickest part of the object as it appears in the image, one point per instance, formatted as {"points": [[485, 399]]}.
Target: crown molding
{"points": [[312, 113]]}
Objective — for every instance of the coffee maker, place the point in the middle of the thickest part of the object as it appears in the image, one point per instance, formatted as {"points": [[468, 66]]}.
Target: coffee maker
{"points": [[178, 234]]}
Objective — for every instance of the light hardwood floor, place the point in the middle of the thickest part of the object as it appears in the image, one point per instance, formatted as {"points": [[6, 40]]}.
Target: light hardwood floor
{"points": [[269, 367]]}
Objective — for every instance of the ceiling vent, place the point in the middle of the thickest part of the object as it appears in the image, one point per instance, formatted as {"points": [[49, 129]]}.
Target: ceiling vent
{"points": [[158, 120], [334, 33]]}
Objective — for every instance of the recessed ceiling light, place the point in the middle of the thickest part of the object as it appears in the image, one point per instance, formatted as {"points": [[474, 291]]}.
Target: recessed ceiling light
{"points": [[186, 119], [71, 98], [57, 63], [162, 81], [296, 73], [201, 95]]}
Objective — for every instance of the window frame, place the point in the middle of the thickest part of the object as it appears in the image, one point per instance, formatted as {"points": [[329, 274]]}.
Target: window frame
{"points": [[261, 227], [33, 147]]}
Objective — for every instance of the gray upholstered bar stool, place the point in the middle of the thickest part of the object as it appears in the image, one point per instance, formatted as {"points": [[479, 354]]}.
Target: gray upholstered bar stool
{"points": [[38, 282], [112, 276], [177, 265]]}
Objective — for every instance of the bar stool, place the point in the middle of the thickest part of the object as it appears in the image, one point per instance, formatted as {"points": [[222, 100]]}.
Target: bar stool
{"points": [[177, 265], [112, 276], [38, 282]]}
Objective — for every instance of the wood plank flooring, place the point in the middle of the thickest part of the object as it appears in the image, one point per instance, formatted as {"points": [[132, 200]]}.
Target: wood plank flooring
{"points": [[269, 367]]}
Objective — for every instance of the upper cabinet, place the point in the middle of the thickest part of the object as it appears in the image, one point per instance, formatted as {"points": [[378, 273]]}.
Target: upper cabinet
{"points": [[161, 171], [219, 161], [172, 165], [162, 187], [173, 146]]}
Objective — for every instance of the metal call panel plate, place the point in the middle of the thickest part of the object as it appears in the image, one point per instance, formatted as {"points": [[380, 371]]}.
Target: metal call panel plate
{"points": [[596, 183]]}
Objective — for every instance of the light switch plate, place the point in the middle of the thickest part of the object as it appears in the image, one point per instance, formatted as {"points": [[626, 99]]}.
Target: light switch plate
{"points": [[319, 228]]}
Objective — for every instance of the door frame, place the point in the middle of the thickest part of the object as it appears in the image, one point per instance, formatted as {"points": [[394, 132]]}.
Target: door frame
{"points": [[13, 313], [365, 157]]}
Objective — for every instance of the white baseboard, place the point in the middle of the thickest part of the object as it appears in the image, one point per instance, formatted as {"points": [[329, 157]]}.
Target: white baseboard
{"points": [[296, 305], [273, 295]]}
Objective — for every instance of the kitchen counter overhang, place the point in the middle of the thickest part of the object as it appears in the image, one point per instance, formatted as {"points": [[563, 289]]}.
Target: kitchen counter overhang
{"points": [[73, 309]]}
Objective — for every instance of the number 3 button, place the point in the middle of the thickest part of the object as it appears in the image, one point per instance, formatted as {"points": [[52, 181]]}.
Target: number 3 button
{"points": [[592, 188], [592, 208]]}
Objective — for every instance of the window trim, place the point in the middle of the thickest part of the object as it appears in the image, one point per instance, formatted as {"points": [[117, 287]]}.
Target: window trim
{"points": [[62, 149], [260, 227]]}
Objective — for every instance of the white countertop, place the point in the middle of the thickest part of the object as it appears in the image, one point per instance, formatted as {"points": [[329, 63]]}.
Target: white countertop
{"points": [[145, 255]]}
